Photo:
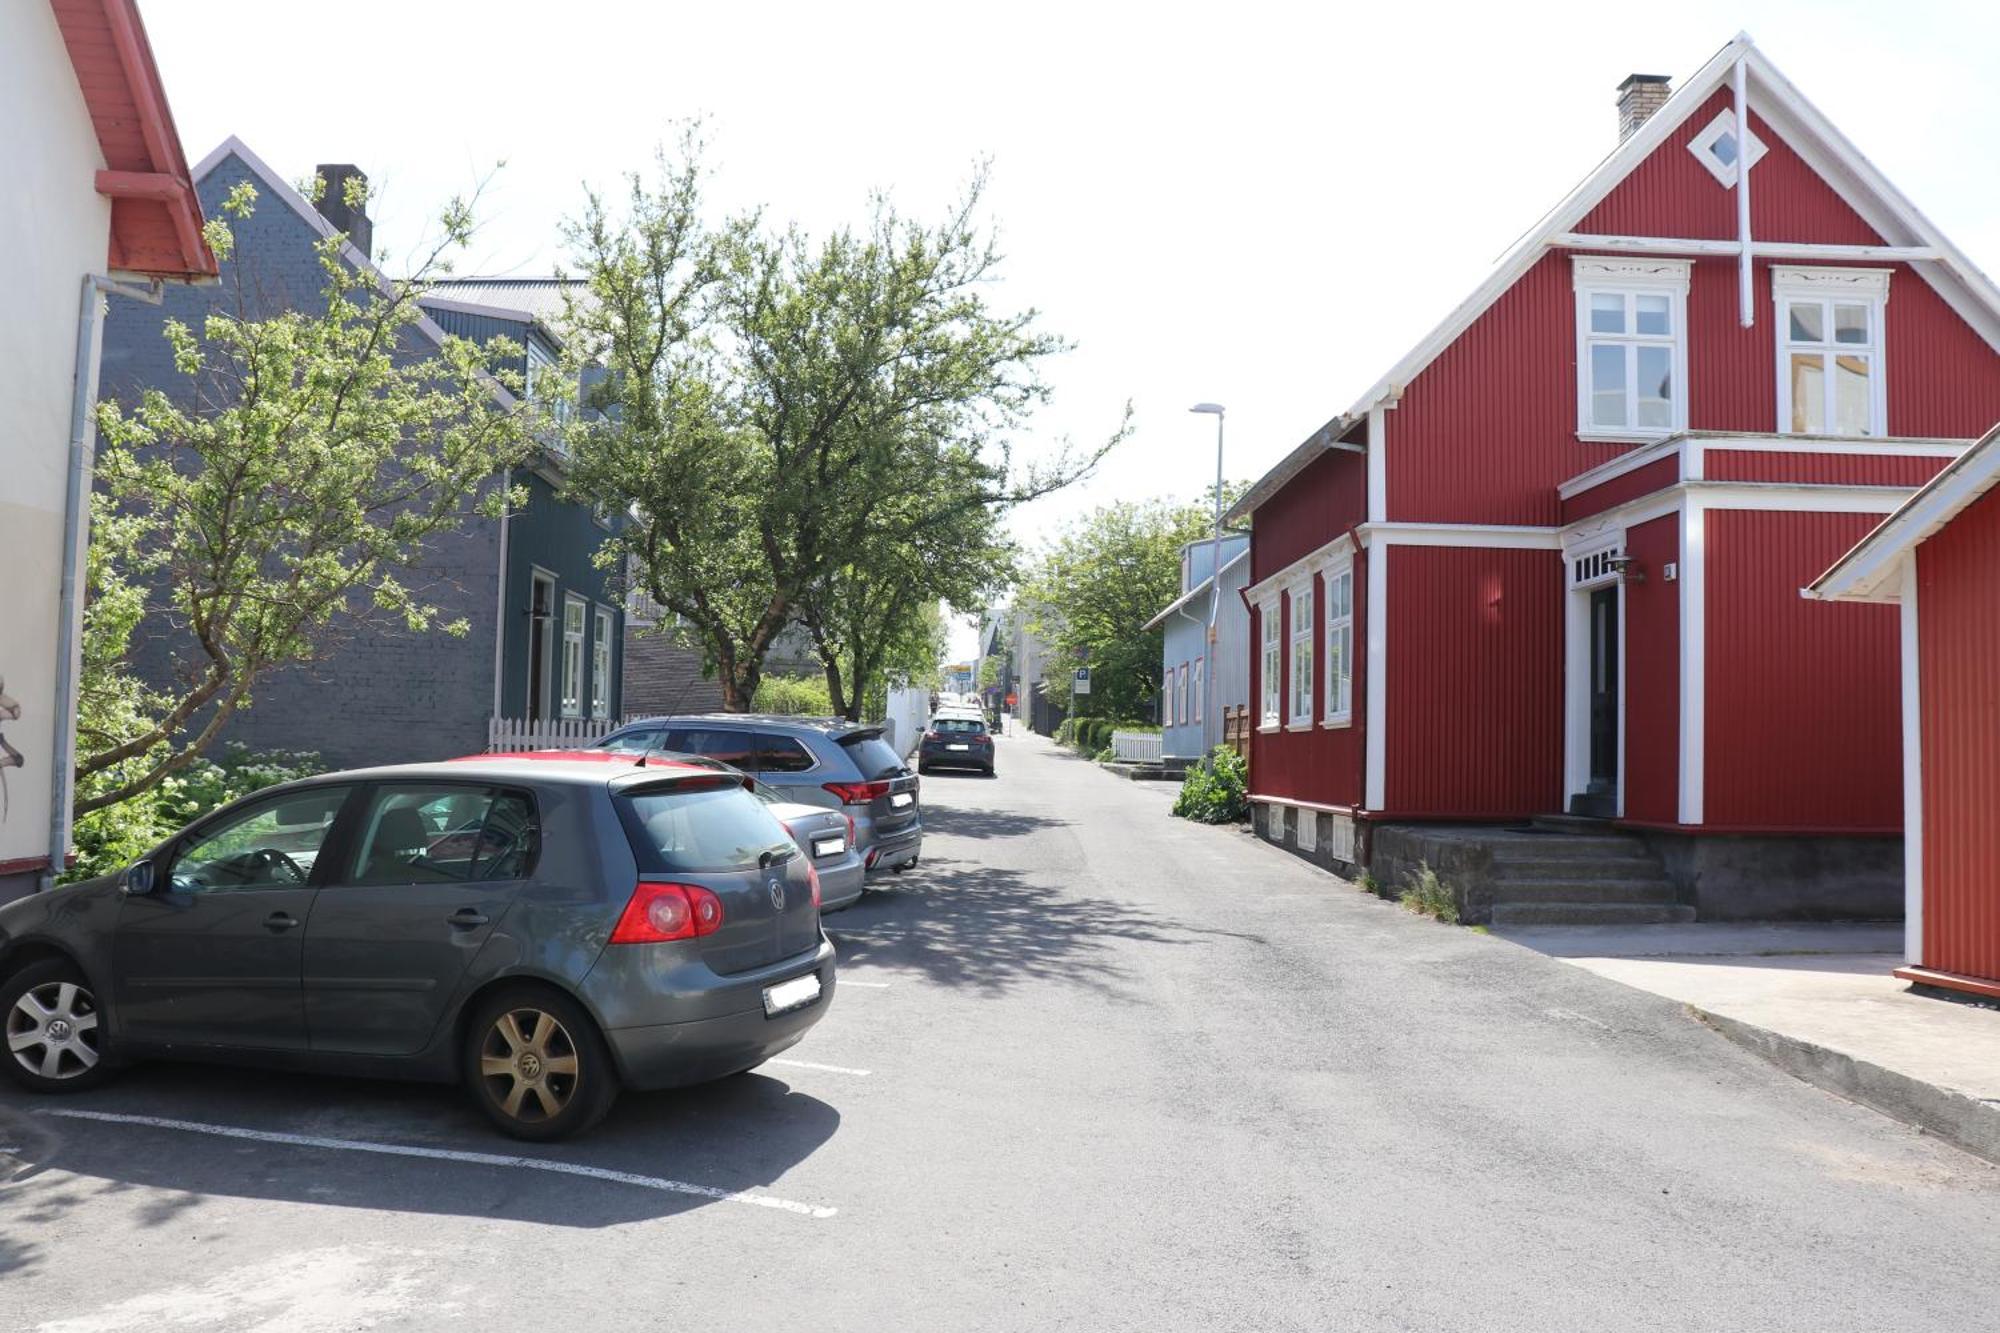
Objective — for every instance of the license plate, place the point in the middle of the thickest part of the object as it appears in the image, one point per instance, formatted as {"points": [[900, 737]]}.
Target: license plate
{"points": [[900, 799], [958, 747], [833, 846], [791, 994]]}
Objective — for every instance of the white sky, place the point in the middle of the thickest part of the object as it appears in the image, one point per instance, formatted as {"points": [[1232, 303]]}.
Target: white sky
{"points": [[1261, 204]]}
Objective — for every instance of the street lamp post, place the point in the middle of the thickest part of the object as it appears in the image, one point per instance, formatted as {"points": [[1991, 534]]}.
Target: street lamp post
{"points": [[1214, 580]]}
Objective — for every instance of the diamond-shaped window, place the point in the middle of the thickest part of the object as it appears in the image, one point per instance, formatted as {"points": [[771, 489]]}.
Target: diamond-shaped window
{"points": [[1719, 149]]}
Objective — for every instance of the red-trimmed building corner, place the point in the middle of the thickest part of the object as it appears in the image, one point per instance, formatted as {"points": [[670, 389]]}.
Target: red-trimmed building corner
{"points": [[99, 201], [1939, 557], [1549, 564]]}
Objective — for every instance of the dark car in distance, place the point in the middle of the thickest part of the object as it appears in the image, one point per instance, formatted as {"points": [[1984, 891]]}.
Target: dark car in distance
{"points": [[543, 930], [956, 741]]}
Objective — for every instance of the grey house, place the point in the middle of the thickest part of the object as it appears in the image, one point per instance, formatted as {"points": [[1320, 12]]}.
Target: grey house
{"points": [[1188, 729], [546, 626]]}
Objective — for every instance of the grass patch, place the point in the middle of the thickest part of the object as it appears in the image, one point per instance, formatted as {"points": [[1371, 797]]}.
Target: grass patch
{"points": [[1427, 895]]}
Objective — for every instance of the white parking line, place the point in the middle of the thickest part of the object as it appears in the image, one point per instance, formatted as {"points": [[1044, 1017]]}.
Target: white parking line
{"points": [[871, 985], [807, 1064], [451, 1155]]}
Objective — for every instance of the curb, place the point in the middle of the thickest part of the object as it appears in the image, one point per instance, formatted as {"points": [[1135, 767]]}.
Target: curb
{"points": [[1962, 1121]]}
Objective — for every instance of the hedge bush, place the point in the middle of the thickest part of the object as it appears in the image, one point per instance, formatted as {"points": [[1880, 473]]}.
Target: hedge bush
{"points": [[1215, 791], [116, 836], [793, 696]]}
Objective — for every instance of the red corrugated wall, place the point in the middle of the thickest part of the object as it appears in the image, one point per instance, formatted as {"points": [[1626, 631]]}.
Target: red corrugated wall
{"points": [[1326, 764], [1943, 379], [1653, 675], [1630, 486], [1958, 633], [1804, 720], [1475, 676], [1821, 469], [1324, 500]]}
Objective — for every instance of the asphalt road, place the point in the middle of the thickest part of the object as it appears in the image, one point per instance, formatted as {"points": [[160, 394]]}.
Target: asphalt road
{"points": [[1090, 1068]]}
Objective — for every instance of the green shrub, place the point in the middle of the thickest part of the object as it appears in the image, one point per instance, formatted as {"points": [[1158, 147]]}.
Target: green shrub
{"points": [[1427, 895], [114, 837], [793, 696], [1105, 756], [1066, 731], [1215, 791], [1367, 883]]}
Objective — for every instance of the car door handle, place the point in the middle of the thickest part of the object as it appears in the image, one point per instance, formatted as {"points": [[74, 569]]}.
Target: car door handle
{"points": [[280, 921], [465, 918]]}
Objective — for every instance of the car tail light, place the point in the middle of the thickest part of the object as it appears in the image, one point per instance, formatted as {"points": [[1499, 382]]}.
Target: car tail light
{"points": [[659, 912], [812, 878], [859, 793], [934, 735]]}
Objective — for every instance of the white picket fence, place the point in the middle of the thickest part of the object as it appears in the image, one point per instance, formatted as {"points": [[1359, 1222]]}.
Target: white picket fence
{"points": [[505, 734], [1136, 747]]}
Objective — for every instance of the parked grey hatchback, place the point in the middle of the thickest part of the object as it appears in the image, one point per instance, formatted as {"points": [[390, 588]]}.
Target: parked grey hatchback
{"points": [[543, 929], [831, 762]]}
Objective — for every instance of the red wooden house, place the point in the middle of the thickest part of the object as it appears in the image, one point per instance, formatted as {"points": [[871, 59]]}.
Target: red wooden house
{"points": [[1939, 556], [1550, 562]]}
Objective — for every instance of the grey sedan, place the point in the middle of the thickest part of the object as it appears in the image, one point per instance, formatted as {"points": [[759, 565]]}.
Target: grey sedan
{"points": [[543, 930]]}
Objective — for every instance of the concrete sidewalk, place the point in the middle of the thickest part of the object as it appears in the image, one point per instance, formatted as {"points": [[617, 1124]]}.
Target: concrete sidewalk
{"points": [[1819, 1001]]}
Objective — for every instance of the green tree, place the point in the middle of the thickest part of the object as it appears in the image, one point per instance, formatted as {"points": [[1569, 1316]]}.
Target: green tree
{"points": [[276, 498], [776, 406], [1093, 590]]}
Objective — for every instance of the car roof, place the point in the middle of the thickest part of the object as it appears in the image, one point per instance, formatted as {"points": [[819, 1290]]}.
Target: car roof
{"points": [[588, 767], [835, 727]]}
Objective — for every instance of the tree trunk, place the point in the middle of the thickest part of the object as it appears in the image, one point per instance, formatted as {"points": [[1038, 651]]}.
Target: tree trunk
{"points": [[834, 691]]}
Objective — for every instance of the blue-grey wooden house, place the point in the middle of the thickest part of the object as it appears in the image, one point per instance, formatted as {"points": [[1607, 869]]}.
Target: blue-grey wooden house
{"points": [[546, 624], [1190, 717]]}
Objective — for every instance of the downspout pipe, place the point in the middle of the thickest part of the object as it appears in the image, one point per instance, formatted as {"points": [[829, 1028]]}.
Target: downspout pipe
{"points": [[76, 542]]}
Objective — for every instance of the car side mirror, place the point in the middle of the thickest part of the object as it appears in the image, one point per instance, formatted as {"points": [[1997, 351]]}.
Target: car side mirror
{"points": [[136, 880]]}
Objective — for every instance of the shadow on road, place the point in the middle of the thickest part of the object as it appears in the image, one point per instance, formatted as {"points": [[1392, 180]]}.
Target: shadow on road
{"points": [[956, 822], [988, 928], [738, 1134]]}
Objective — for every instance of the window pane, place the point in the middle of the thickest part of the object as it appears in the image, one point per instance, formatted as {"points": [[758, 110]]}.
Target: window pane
{"points": [[1654, 315], [1656, 387], [269, 845], [1724, 148], [1607, 312], [420, 834], [1607, 385], [1850, 324], [1808, 394], [634, 742], [1808, 322], [1851, 414], [722, 744], [716, 828], [783, 754]]}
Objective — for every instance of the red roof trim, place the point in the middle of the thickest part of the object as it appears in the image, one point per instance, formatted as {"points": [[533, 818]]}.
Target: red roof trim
{"points": [[155, 216]]}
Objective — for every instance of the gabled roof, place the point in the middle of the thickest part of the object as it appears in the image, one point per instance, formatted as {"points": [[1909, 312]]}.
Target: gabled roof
{"points": [[155, 217], [1871, 571], [540, 298], [1809, 133], [1196, 591], [279, 188]]}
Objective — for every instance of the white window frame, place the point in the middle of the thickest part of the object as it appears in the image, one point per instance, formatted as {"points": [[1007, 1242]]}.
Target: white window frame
{"points": [[1631, 278], [571, 684], [1200, 684], [1299, 665], [1748, 147], [1271, 666], [1340, 628], [1828, 287], [1181, 696], [601, 630]]}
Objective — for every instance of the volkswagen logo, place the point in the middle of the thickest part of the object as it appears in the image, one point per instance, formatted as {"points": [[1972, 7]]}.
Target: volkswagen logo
{"points": [[778, 894]]}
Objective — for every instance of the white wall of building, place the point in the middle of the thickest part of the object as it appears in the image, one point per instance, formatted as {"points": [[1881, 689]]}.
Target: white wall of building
{"points": [[54, 228]]}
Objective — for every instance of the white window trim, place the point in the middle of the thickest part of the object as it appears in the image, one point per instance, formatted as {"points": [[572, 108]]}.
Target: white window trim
{"points": [[1296, 717], [1749, 147], [1848, 286], [600, 673], [1200, 684], [1270, 665], [570, 691], [1595, 274], [1335, 716]]}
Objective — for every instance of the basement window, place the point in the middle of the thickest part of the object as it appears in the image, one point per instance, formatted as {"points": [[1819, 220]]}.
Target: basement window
{"points": [[1720, 148]]}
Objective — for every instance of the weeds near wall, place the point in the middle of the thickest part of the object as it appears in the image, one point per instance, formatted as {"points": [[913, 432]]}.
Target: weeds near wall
{"points": [[1427, 895]]}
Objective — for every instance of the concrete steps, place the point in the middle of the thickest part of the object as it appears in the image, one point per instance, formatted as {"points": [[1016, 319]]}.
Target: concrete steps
{"points": [[1569, 871], [1589, 914]]}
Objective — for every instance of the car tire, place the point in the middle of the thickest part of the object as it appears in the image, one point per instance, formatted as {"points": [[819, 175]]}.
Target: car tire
{"points": [[923, 768], [536, 1065], [51, 1003]]}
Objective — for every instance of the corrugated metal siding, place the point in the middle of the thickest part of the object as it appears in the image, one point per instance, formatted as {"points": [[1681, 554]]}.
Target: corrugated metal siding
{"points": [[1821, 469], [1959, 670], [1475, 722], [1732, 374], [1638, 482], [1943, 379], [1324, 500], [1804, 728], [1672, 194], [1185, 640], [1326, 764], [1652, 658]]}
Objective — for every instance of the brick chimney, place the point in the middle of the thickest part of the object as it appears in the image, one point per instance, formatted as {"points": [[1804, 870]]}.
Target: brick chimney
{"points": [[333, 205], [1638, 98]]}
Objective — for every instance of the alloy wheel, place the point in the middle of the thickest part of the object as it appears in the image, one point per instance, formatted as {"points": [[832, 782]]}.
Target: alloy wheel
{"points": [[52, 1030], [529, 1065]]}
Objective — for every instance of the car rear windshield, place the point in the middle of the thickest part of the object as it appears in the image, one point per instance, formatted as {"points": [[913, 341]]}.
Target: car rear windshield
{"points": [[709, 826], [875, 757], [959, 726]]}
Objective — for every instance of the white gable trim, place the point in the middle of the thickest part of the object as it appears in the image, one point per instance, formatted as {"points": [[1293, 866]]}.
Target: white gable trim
{"points": [[1868, 573]]}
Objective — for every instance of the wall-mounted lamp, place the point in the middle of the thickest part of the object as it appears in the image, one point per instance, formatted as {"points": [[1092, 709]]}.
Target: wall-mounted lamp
{"points": [[1628, 569]]}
